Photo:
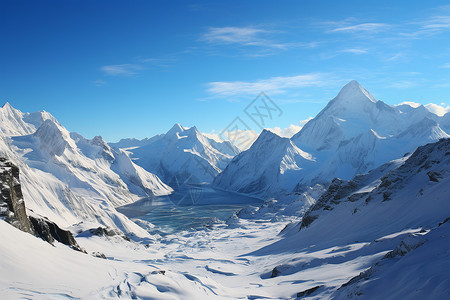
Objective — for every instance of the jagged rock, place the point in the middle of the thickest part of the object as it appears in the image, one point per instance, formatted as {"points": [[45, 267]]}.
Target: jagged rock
{"points": [[107, 232], [308, 292], [434, 176], [49, 231], [99, 255], [162, 272], [12, 205], [407, 245], [338, 190]]}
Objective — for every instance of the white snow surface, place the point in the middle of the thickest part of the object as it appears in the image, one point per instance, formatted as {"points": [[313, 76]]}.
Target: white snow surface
{"points": [[70, 179], [370, 249]]}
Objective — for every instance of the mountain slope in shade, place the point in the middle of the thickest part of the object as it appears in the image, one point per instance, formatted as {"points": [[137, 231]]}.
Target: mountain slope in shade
{"points": [[353, 134], [183, 153], [369, 223], [70, 179], [271, 164]]}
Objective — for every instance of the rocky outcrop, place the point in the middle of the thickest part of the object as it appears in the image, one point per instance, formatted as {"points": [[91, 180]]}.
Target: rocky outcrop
{"points": [[13, 211], [106, 232], [12, 205], [49, 231]]}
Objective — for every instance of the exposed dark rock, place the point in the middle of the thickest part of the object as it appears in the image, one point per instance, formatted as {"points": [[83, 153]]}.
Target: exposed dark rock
{"points": [[107, 232], [434, 176], [308, 292], [162, 272], [363, 276], [275, 272], [445, 221], [387, 196], [337, 191], [12, 209], [12, 205], [49, 231], [99, 255], [307, 220]]}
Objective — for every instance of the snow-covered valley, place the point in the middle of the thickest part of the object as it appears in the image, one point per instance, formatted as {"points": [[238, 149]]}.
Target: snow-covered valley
{"points": [[355, 205]]}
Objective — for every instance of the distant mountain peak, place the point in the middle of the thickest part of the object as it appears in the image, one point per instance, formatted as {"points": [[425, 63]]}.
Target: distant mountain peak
{"points": [[175, 128], [7, 105], [353, 93]]}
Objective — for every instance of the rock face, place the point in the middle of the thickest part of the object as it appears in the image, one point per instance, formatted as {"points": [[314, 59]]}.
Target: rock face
{"points": [[49, 231], [12, 205], [13, 211]]}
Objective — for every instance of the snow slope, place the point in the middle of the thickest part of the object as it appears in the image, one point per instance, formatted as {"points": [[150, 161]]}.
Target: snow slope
{"points": [[70, 179], [184, 154], [409, 197], [353, 134]]}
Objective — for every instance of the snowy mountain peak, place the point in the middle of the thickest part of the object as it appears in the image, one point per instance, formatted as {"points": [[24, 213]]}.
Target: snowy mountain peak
{"points": [[12, 121], [177, 128], [7, 105], [353, 93], [54, 138], [267, 136]]}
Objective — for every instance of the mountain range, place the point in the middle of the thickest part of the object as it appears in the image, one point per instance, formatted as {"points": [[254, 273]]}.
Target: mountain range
{"points": [[353, 134], [356, 206]]}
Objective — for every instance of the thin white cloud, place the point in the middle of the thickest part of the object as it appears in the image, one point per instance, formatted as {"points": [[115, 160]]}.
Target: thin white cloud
{"points": [[395, 57], [121, 70], [403, 84], [361, 28], [446, 66], [272, 85], [355, 51], [437, 23], [99, 82], [249, 36]]}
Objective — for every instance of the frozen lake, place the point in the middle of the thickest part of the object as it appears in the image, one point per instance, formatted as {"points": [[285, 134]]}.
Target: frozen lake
{"points": [[192, 207]]}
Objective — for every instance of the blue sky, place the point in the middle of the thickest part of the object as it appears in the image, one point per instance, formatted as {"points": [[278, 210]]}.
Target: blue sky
{"points": [[134, 68]]}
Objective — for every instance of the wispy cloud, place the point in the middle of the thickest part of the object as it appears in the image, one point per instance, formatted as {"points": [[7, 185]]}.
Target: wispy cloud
{"points": [[249, 36], [99, 82], [437, 23], [446, 66], [261, 41], [272, 85], [353, 26], [395, 57], [355, 51], [158, 62], [361, 28], [121, 70], [403, 84]]}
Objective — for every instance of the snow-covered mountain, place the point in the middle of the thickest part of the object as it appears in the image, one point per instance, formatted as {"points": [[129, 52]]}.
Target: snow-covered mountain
{"points": [[70, 179], [183, 154], [270, 165], [354, 133], [384, 219]]}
